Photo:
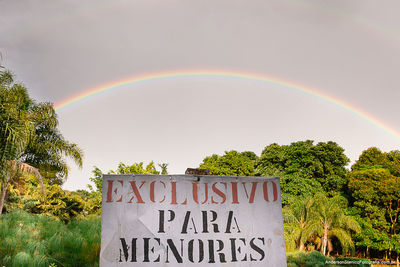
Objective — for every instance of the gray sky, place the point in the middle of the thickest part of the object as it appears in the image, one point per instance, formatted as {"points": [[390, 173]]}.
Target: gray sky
{"points": [[346, 49]]}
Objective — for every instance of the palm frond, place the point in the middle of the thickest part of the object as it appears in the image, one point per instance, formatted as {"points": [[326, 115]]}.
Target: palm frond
{"points": [[344, 238]]}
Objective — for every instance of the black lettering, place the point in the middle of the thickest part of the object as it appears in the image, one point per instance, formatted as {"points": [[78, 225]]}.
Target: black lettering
{"points": [[146, 249], [238, 249], [201, 250], [220, 254], [257, 248], [161, 228], [174, 250], [229, 223], [186, 223], [152, 249], [125, 250], [233, 249], [161, 221], [205, 221], [211, 251]]}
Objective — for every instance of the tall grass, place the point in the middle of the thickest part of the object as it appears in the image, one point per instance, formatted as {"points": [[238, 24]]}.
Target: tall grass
{"points": [[41, 240]]}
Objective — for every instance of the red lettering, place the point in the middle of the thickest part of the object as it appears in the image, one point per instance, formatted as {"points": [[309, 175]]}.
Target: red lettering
{"points": [[173, 196], [219, 193], [173, 192], [253, 191], [152, 191], [196, 194], [136, 192], [110, 190], [274, 191], [234, 193]]}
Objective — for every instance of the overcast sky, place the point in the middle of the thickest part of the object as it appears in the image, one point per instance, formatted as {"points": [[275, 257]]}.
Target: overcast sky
{"points": [[346, 49]]}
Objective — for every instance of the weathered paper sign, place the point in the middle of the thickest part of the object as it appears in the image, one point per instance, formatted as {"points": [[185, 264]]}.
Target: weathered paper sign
{"points": [[185, 220]]}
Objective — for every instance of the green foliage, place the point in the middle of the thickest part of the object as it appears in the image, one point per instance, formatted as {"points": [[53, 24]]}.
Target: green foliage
{"points": [[296, 217], [375, 188], [47, 147], [374, 183], [312, 259], [329, 220], [294, 186], [29, 133], [319, 220], [15, 126], [29, 137], [32, 240], [232, 163], [371, 238], [57, 202], [136, 168], [303, 164], [97, 179]]}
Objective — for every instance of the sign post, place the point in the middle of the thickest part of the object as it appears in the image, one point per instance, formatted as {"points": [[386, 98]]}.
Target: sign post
{"points": [[191, 220]]}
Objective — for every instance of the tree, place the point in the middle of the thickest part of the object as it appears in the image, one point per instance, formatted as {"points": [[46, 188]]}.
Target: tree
{"points": [[327, 220], [323, 164], [374, 186], [136, 168], [29, 138], [232, 163], [296, 217], [47, 148], [371, 238], [15, 128]]}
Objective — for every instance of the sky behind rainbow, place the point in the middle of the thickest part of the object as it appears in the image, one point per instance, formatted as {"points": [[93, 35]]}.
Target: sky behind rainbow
{"points": [[133, 81]]}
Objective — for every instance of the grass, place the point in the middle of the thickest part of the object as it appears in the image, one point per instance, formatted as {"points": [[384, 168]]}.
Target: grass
{"points": [[42, 240]]}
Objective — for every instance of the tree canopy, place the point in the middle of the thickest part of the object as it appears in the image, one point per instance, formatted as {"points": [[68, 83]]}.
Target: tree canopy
{"points": [[232, 163], [375, 188], [305, 168]]}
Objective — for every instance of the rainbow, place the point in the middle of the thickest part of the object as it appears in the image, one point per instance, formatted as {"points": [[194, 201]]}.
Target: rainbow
{"points": [[115, 85]]}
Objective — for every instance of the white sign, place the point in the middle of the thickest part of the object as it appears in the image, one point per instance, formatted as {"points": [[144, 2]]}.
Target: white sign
{"points": [[186, 220]]}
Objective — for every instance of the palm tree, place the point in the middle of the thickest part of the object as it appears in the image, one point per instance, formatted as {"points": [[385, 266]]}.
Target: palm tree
{"points": [[29, 138], [328, 220], [15, 128], [47, 148], [296, 217]]}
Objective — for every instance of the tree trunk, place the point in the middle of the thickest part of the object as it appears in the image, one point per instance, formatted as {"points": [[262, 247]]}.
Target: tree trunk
{"points": [[4, 187], [301, 246], [367, 252], [324, 241]]}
